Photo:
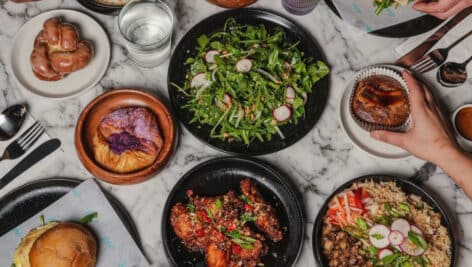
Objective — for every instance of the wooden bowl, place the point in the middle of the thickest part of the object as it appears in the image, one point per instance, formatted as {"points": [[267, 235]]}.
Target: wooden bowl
{"points": [[106, 103]]}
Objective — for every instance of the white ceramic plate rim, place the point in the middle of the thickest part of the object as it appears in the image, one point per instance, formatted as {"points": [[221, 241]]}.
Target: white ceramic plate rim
{"points": [[104, 63], [395, 153]]}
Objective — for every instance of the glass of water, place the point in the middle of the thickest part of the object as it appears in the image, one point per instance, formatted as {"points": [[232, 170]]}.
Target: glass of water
{"points": [[146, 26]]}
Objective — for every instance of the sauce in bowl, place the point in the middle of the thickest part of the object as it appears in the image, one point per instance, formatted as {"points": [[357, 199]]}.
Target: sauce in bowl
{"points": [[463, 122]]}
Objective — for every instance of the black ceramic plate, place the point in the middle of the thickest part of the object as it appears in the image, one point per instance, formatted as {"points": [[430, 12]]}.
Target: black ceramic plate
{"points": [[186, 47], [408, 187], [101, 8], [217, 177], [406, 29], [26, 201]]}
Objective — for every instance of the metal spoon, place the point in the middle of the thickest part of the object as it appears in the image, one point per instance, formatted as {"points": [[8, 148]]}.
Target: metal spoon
{"points": [[11, 120], [453, 74]]}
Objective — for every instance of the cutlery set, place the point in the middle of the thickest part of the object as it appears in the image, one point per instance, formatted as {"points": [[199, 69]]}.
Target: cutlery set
{"points": [[11, 121], [450, 74]]}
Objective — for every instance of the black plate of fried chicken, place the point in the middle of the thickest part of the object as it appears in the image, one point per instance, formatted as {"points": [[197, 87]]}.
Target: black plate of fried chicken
{"points": [[233, 212]]}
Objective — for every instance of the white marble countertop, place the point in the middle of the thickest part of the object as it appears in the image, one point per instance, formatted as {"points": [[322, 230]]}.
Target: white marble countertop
{"points": [[317, 164]]}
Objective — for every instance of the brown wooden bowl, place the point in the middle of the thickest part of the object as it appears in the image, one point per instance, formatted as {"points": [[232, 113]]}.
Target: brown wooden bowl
{"points": [[106, 103]]}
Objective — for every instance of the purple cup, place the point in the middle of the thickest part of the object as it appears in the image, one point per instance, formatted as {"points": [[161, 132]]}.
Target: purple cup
{"points": [[299, 7]]}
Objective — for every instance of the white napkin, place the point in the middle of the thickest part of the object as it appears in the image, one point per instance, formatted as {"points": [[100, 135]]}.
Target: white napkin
{"points": [[361, 13], [453, 97], [116, 247]]}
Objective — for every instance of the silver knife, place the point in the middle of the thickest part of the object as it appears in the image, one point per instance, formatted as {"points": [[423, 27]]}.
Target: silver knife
{"points": [[411, 57], [32, 158]]}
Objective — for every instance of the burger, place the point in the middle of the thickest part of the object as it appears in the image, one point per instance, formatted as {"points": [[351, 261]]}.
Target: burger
{"points": [[57, 244]]}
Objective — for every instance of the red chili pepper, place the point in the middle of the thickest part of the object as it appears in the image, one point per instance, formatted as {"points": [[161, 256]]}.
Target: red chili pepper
{"points": [[236, 249], [248, 207], [358, 199], [203, 216], [189, 193], [200, 232], [231, 228]]}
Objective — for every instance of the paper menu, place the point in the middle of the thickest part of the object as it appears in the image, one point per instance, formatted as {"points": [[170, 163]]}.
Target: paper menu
{"points": [[116, 247], [361, 13]]}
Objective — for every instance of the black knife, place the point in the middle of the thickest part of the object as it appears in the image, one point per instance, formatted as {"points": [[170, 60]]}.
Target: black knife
{"points": [[32, 158]]}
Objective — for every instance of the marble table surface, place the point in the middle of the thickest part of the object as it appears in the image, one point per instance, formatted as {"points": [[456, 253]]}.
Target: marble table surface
{"points": [[321, 161]]}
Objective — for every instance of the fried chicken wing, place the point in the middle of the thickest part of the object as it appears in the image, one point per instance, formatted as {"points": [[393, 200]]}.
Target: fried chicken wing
{"points": [[266, 220], [187, 228]]}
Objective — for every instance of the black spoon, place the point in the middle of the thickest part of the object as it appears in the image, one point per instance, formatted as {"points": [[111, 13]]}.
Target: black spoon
{"points": [[453, 74]]}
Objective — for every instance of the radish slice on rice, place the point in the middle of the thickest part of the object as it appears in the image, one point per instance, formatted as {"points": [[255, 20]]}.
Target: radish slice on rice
{"points": [[401, 225], [411, 249], [378, 236], [210, 56], [384, 253], [396, 238], [289, 94], [199, 80], [244, 65], [282, 113]]}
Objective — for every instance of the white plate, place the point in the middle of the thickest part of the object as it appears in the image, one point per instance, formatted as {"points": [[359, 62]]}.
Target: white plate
{"points": [[360, 137], [76, 82]]}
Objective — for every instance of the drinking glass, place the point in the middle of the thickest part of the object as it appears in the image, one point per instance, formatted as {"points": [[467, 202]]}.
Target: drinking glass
{"points": [[299, 7], [146, 26]]}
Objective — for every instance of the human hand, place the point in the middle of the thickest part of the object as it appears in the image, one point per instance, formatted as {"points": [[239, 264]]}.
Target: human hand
{"points": [[442, 9], [429, 136]]}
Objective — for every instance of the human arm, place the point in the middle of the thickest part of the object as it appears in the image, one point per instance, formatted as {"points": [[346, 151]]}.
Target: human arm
{"points": [[442, 9], [430, 137]]}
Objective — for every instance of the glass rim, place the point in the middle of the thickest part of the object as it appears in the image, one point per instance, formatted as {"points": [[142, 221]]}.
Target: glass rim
{"points": [[136, 2]]}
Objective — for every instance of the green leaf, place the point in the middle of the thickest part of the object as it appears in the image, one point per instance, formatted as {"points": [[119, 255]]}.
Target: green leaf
{"points": [[377, 236], [361, 223], [417, 240], [246, 246], [390, 258], [203, 41], [191, 208], [209, 213], [245, 199], [317, 72], [247, 217], [89, 218], [404, 206], [219, 204]]}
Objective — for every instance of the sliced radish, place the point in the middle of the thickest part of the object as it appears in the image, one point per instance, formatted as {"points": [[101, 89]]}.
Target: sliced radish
{"points": [[227, 99], [305, 97], [411, 249], [378, 236], [417, 230], [210, 56], [244, 65], [384, 253], [401, 225], [290, 93], [396, 238], [282, 113], [199, 80]]}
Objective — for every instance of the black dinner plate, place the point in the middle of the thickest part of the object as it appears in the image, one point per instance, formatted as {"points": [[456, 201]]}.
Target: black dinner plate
{"points": [[26, 201], [406, 29], [101, 8], [408, 187], [177, 71], [218, 176]]}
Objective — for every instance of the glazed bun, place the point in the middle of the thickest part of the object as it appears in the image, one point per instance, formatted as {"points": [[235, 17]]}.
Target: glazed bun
{"points": [[57, 245], [58, 51]]}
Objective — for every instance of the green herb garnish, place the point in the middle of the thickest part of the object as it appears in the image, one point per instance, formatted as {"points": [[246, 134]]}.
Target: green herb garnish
{"points": [[219, 204], [191, 208], [41, 219], [89, 218], [377, 236], [245, 199], [417, 240]]}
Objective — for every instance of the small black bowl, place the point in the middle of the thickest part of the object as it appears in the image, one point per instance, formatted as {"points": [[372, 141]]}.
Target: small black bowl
{"points": [[101, 8], [218, 176], [409, 187]]}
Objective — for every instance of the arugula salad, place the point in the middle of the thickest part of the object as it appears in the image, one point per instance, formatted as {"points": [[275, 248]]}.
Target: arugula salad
{"points": [[380, 5], [246, 81]]}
